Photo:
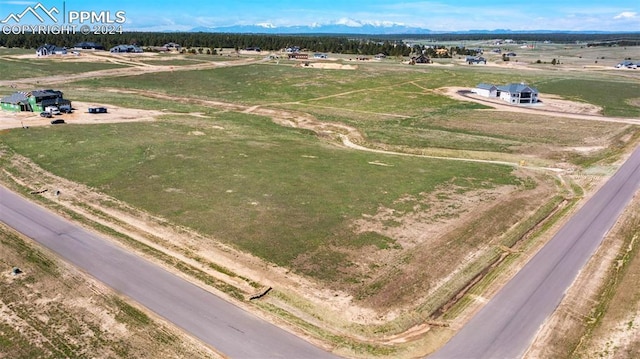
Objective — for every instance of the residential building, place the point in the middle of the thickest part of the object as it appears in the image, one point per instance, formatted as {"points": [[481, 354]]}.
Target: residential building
{"points": [[35, 101], [126, 49], [49, 49], [512, 93]]}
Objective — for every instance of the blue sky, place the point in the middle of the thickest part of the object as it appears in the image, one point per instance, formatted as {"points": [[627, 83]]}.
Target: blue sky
{"points": [[443, 15]]}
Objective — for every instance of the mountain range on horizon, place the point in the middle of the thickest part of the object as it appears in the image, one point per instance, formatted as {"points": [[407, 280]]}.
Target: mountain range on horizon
{"points": [[353, 27]]}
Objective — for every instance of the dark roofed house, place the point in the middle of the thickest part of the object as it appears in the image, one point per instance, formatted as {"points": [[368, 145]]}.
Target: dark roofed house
{"points": [[475, 60], [35, 101], [171, 46], [126, 49], [88, 45], [49, 49], [422, 59]]}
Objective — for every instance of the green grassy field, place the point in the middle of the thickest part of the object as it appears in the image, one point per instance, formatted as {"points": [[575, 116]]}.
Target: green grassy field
{"points": [[396, 106], [13, 69], [278, 193]]}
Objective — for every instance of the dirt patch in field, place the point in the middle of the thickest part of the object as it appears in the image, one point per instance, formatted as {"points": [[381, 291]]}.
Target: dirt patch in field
{"points": [[80, 115], [329, 66]]}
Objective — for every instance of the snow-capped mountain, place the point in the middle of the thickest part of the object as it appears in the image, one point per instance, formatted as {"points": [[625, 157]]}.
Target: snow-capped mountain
{"points": [[341, 26]]}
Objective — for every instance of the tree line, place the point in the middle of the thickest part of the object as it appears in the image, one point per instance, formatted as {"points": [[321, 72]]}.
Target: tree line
{"points": [[315, 43]]}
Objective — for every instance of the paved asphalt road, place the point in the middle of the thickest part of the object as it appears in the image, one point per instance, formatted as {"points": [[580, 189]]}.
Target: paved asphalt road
{"points": [[224, 326], [507, 325]]}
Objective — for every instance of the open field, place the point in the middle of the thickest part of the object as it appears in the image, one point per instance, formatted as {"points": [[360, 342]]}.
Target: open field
{"points": [[366, 244], [17, 68]]}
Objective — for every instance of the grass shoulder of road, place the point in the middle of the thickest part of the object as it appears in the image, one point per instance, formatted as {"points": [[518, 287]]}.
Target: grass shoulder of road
{"points": [[51, 310]]}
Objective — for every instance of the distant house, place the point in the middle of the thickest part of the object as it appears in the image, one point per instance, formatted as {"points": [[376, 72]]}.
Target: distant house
{"points": [[292, 49], [512, 93], [171, 46], [49, 49], [320, 56], [253, 48], [87, 45], [35, 101], [442, 52], [298, 56], [476, 60], [380, 56], [422, 59], [628, 64], [126, 49]]}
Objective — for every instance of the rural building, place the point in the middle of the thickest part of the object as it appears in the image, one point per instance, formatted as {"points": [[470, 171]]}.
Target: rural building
{"points": [[87, 45], [320, 56], [380, 56], [35, 101], [512, 93], [171, 46], [298, 56], [126, 49], [49, 49], [628, 64], [422, 59], [518, 93], [486, 90], [476, 60]]}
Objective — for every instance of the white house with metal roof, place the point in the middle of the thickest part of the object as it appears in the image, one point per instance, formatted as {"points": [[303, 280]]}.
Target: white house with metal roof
{"points": [[512, 93], [518, 93]]}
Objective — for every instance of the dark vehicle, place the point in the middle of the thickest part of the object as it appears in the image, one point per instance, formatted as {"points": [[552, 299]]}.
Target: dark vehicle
{"points": [[57, 122], [97, 110], [46, 114]]}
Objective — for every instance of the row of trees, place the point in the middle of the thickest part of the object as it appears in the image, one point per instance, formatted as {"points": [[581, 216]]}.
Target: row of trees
{"points": [[334, 44]]}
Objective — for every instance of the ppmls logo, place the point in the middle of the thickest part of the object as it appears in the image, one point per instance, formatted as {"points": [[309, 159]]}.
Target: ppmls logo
{"points": [[34, 12], [72, 22]]}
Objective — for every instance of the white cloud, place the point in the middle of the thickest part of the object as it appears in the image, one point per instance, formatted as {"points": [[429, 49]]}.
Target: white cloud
{"points": [[626, 15]]}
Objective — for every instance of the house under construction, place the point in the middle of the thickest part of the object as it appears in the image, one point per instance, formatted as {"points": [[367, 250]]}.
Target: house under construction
{"points": [[36, 101]]}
